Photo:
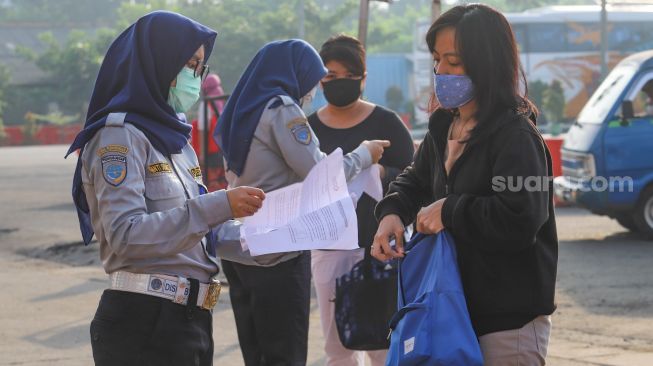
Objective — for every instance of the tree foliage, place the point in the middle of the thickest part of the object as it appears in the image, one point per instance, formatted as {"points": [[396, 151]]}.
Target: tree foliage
{"points": [[536, 92], [244, 26], [553, 101], [71, 67], [392, 28], [60, 11]]}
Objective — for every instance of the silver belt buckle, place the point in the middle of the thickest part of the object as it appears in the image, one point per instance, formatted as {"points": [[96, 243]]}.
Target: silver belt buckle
{"points": [[212, 294]]}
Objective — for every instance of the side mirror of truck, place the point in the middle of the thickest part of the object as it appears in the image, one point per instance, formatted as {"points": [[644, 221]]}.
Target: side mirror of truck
{"points": [[627, 112]]}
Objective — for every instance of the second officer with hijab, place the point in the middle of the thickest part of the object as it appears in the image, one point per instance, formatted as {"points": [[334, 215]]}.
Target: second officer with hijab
{"points": [[268, 143]]}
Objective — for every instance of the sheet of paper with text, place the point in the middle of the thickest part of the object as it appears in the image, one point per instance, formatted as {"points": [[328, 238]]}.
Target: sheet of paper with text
{"points": [[317, 213]]}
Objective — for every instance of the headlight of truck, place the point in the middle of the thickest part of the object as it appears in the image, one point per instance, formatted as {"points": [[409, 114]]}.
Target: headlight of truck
{"points": [[578, 165]]}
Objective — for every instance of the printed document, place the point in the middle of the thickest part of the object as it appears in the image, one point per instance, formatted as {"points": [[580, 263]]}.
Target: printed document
{"points": [[317, 213]]}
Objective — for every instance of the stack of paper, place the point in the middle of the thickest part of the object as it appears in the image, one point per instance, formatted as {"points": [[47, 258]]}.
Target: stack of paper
{"points": [[317, 213]]}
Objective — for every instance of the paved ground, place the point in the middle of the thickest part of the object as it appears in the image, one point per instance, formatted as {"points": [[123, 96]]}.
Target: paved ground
{"points": [[51, 285]]}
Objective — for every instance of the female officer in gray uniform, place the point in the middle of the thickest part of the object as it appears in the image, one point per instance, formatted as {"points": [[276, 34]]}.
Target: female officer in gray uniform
{"points": [[138, 187], [268, 143]]}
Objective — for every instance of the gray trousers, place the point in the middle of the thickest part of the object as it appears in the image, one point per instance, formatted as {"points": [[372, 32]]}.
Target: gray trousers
{"points": [[526, 346]]}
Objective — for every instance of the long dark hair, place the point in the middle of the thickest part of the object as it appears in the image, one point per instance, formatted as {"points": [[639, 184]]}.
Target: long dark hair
{"points": [[488, 51]]}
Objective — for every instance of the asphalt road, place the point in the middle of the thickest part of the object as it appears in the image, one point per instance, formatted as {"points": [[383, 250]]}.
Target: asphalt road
{"points": [[50, 284]]}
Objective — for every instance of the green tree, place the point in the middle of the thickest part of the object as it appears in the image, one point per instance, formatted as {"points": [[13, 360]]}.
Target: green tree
{"points": [[392, 28], [553, 102], [72, 67], [60, 11], [536, 92], [245, 26]]}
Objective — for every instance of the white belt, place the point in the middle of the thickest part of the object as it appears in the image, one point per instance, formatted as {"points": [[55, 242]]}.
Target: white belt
{"points": [[172, 288]]}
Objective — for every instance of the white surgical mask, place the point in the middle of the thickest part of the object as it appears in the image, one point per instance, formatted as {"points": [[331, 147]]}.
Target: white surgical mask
{"points": [[307, 100]]}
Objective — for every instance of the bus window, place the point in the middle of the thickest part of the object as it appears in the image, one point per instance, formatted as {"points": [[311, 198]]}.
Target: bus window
{"points": [[520, 36], [631, 37], [583, 36], [547, 37]]}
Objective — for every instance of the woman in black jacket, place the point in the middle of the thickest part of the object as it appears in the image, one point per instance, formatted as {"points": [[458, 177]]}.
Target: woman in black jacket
{"points": [[483, 173]]}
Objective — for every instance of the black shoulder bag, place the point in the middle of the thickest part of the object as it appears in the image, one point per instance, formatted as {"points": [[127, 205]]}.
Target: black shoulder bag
{"points": [[366, 299]]}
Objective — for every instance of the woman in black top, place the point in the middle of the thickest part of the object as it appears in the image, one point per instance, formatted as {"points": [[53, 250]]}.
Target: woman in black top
{"points": [[483, 173], [345, 122]]}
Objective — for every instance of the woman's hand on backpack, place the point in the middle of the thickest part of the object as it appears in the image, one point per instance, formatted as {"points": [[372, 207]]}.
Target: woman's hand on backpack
{"points": [[429, 218], [390, 228]]}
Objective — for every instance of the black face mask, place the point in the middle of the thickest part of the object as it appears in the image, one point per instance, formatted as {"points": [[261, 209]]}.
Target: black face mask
{"points": [[342, 92]]}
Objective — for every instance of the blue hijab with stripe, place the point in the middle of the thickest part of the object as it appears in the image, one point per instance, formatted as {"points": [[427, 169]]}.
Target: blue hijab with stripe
{"points": [[291, 67], [135, 78]]}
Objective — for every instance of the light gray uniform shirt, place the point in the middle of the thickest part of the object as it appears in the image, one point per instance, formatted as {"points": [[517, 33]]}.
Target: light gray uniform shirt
{"points": [[284, 149], [146, 208]]}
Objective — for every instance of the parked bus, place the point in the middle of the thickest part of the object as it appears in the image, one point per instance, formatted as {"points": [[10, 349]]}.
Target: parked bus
{"points": [[559, 43], [563, 43]]}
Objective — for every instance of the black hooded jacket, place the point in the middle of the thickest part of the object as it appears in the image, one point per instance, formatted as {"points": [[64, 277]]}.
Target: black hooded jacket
{"points": [[505, 238]]}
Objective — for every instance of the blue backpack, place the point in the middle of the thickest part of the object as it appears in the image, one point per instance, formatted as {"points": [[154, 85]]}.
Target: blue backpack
{"points": [[432, 326]]}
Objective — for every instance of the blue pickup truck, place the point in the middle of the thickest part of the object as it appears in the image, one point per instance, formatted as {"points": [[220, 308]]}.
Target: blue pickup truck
{"points": [[607, 156]]}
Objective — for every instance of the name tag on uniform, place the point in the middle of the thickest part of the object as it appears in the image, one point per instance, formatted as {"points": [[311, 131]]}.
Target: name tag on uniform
{"points": [[159, 168], [196, 172]]}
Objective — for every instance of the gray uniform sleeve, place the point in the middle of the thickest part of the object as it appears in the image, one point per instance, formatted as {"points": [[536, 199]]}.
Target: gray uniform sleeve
{"points": [[301, 148], [130, 230]]}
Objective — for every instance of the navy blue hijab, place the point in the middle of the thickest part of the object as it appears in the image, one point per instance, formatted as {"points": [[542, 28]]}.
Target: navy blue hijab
{"points": [[291, 67], [135, 78]]}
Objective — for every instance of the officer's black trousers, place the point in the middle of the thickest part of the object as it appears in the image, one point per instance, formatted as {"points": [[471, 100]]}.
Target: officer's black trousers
{"points": [[271, 306], [133, 329]]}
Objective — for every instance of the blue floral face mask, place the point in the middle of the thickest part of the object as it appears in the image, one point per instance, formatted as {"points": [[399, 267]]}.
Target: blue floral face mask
{"points": [[453, 91]]}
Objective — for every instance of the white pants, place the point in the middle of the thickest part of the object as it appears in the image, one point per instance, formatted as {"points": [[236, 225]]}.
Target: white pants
{"points": [[327, 266]]}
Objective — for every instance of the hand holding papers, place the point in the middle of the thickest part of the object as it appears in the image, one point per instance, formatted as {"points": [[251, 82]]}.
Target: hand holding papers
{"points": [[315, 214]]}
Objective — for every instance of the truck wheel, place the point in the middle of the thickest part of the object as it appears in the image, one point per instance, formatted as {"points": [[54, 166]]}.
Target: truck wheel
{"points": [[644, 213], [627, 221]]}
